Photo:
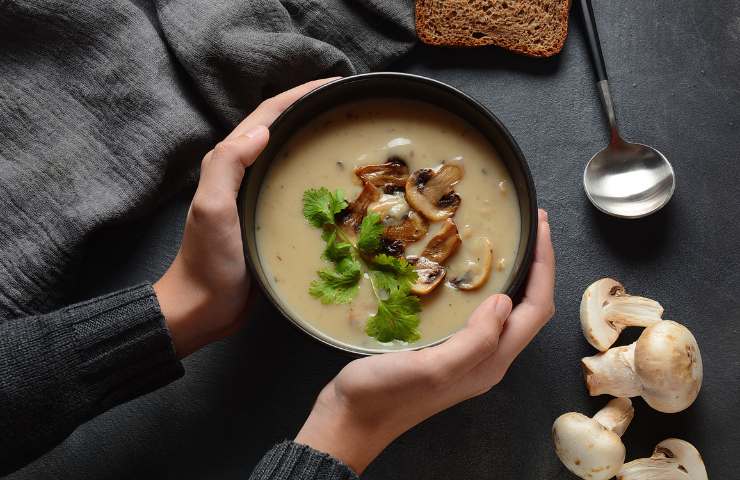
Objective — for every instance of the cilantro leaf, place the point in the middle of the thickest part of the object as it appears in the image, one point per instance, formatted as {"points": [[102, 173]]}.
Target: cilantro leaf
{"points": [[338, 285], [400, 269], [397, 318], [320, 206], [335, 250], [391, 273], [368, 238]]}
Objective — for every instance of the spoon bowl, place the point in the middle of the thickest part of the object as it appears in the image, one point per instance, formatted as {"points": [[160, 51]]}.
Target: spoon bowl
{"points": [[629, 180]]}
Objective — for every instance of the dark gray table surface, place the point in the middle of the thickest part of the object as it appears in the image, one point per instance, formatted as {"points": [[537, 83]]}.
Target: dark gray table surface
{"points": [[674, 67]]}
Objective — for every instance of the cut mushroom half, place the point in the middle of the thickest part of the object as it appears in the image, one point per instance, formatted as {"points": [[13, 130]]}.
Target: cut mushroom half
{"points": [[431, 191], [351, 217], [477, 268], [663, 366], [390, 176], [429, 274], [606, 310], [591, 447], [673, 459], [443, 244]]}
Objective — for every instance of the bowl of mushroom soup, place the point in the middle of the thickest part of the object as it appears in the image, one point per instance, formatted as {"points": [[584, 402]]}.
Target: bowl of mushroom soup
{"points": [[385, 208]]}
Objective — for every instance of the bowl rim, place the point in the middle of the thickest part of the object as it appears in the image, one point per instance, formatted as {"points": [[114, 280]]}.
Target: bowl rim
{"points": [[514, 288]]}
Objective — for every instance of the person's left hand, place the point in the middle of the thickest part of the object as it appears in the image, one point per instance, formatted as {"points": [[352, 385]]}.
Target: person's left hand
{"points": [[203, 295], [375, 399]]}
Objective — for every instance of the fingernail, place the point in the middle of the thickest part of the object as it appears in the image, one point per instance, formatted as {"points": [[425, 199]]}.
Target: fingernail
{"points": [[503, 306], [256, 131]]}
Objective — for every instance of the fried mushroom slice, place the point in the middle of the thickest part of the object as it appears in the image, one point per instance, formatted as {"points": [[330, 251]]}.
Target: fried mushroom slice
{"points": [[477, 269], [390, 176], [430, 274], [430, 191], [402, 225], [443, 244], [351, 217], [412, 228]]}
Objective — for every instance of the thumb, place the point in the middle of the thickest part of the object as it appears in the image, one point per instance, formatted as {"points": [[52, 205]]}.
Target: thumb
{"points": [[478, 340], [222, 169]]}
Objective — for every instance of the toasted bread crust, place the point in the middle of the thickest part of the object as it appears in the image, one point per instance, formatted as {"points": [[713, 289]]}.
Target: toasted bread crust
{"points": [[472, 23]]}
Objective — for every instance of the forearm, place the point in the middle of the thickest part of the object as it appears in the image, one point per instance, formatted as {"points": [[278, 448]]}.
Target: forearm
{"points": [[60, 369]]}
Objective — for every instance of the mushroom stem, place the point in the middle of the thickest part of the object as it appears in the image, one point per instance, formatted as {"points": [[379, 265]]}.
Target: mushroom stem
{"points": [[612, 372], [631, 311], [616, 415]]}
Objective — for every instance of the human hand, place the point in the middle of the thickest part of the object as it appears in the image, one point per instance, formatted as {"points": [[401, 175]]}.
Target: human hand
{"points": [[203, 294], [375, 399]]}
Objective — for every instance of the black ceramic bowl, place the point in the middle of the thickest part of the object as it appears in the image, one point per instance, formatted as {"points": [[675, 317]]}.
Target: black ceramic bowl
{"points": [[388, 85]]}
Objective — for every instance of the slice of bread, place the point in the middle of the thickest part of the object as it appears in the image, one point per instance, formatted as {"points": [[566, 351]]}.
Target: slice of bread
{"points": [[533, 27]]}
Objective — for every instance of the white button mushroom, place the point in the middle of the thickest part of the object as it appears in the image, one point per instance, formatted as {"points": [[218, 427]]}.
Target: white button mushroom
{"points": [[606, 310], [663, 366], [673, 459], [591, 447]]}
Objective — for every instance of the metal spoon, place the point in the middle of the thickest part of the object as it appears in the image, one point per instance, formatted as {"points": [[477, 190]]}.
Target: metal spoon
{"points": [[627, 180]]}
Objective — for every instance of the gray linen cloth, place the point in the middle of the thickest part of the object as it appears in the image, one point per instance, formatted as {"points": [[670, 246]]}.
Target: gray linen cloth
{"points": [[106, 107]]}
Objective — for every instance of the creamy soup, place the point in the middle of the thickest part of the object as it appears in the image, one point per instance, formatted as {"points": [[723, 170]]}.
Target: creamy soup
{"points": [[325, 153]]}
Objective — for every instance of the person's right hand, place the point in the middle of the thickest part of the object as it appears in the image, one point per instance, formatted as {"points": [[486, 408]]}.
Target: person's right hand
{"points": [[374, 400]]}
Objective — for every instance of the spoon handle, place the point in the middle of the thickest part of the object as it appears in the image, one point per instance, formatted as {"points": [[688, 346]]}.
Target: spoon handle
{"points": [[597, 58], [592, 35]]}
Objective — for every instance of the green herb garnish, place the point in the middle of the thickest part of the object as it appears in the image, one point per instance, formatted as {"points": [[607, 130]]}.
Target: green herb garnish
{"points": [[391, 278]]}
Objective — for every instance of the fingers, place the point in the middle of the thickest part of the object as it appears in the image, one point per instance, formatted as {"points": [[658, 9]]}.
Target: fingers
{"points": [[223, 167], [473, 344], [536, 308], [270, 109], [541, 285]]}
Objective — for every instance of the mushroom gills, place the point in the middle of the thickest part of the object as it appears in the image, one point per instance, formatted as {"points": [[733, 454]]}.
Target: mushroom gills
{"points": [[390, 176], [431, 191], [606, 309], [477, 268], [429, 274], [441, 246], [672, 459], [351, 217]]}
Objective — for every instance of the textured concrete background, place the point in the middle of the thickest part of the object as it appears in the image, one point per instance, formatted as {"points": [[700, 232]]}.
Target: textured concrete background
{"points": [[674, 67]]}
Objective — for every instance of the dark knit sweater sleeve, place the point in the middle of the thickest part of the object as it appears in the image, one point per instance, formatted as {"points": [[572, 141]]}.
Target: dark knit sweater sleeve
{"points": [[293, 461], [60, 369]]}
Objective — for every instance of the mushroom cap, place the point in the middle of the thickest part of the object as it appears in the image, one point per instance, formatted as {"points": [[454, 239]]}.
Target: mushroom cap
{"points": [[429, 274], [477, 268], [672, 459], [441, 246], [606, 309], [600, 333], [390, 176], [587, 448], [668, 362]]}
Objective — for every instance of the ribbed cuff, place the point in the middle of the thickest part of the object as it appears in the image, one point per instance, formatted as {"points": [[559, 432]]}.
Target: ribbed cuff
{"points": [[123, 345], [293, 461]]}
